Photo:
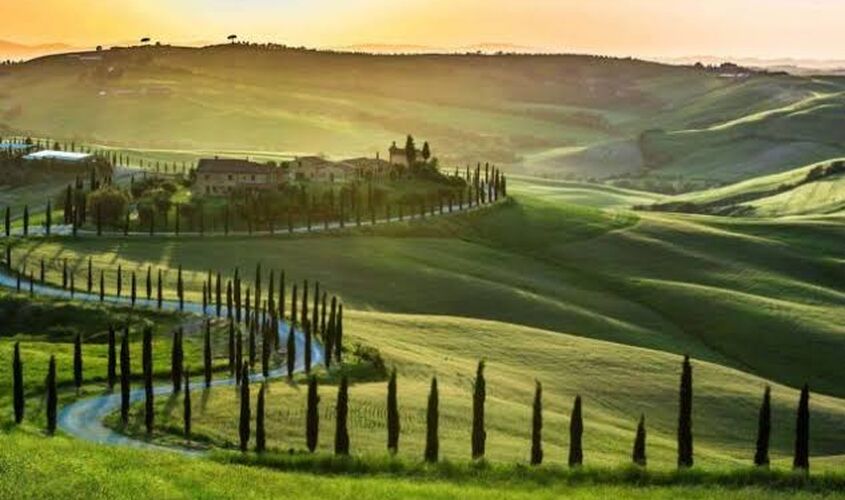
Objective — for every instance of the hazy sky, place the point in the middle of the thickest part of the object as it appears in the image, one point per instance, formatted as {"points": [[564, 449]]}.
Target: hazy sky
{"points": [[766, 28]]}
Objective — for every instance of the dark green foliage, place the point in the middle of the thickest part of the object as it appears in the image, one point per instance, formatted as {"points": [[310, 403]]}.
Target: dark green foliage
{"points": [[393, 426], [479, 434], [576, 431], [52, 397], [17, 382], [102, 286], [239, 356], [304, 319], [159, 293], [149, 283], [125, 375], [341, 436], [89, 285], [260, 435], [206, 354], [266, 340], [338, 335], [243, 428], [291, 349], [537, 426], [133, 291], [177, 358], [764, 430], [307, 347], [432, 423], [77, 362], [251, 341], [231, 347], [312, 417], [180, 289], [111, 368], [639, 454], [186, 407], [685, 417], [147, 366], [801, 460]]}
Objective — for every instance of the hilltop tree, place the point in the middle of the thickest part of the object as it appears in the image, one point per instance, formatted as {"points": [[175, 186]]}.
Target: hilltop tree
{"points": [[177, 357], [685, 417], [341, 436], [801, 460], [206, 354], [537, 426], [479, 434], [576, 431], [312, 418], [17, 382], [426, 151], [77, 362], [392, 414], [52, 397], [260, 436], [245, 411], [764, 430], [186, 407], [639, 454], [410, 151], [125, 374], [111, 371], [432, 422], [147, 366]]}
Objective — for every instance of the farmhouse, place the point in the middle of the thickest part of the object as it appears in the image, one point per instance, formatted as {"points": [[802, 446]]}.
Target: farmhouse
{"points": [[398, 156], [219, 176], [317, 169], [59, 156]]}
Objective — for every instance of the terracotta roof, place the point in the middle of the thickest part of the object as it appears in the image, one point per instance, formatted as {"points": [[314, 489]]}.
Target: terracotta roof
{"points": [[231, 166]]}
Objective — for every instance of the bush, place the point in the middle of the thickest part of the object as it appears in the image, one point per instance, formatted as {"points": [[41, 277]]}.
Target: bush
{"points": [[111, 203]]}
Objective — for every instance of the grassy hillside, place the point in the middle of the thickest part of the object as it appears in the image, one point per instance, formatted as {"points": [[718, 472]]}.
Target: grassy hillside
{"points": [[547, 115]]}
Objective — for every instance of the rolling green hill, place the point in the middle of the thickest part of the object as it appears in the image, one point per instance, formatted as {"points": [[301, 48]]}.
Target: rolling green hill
{"points": [[544, 115]]}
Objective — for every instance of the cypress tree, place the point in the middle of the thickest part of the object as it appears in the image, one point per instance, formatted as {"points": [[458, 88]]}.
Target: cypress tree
{"points": [[312, 418], [149, 283], [186, 407], [119, 280], [265, 349], [26, 220], [231, 347], [206, 354], [315, 311], [251, 341], [111, 372], [8, 221], [764, 430], [291, 349], [77, 362], [260, 436], [801, 460], [639, 455], [147, 366], [239, 356], [89, 285], [537, 426], [308, 346], [176, 360], [125, 374], [217, 296], [180, 290], [393, 426], [229, 307], [245, 411], [17, 376], [133, 289], [576, 431], [330, 334], [432, 422], [237, 296], [338, 335], [159, 295], [64, 273], [323, 314], [479, 435], [52, 397], [685, 417], [282, 292], [304, 319], [341, 436], [293, 300]]}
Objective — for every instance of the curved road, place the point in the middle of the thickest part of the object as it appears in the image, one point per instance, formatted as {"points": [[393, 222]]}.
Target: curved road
{"points": [[84, 418]]}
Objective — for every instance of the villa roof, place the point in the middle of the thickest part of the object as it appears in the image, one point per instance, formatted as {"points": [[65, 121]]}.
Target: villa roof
{"points": [[231, 166]]}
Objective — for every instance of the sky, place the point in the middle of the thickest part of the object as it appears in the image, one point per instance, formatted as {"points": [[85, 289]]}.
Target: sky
{"points": [[643, 28]]}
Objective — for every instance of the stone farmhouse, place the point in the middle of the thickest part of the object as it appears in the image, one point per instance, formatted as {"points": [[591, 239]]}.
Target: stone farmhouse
{"points": [[219, 176], [398, 156]]}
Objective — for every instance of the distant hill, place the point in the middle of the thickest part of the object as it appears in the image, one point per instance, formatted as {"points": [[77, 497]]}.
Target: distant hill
{"points": [[18, 51], [551, 115]]}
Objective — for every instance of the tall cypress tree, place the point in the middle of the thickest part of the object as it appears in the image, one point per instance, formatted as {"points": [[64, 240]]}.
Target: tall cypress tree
{"points": [[685, 417], [149, 282], [639, 454], [111, 371], [265, 348], [576, 431], [801, 460], [159, 294], [8, 220], [251, 340], [177, 357], [239, 356], [312, 417], [231, 347], [186, 407], [133, 293], [218, 292], [206, 354], [304, 319], [330, 334], [764, 430], [432, 424], [393, 426], [307, 348], [17, 377], [293, 299], [243, 428], [119, 280], [125, 374], [315, 311], [102, 286], [341, 435], [52, 397], [180, 289], [260, 435], [77, 362], [479, 435], [26, 220], [338, 335], [90, 281], [291, 349], [147, 366], [537, 426]]}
